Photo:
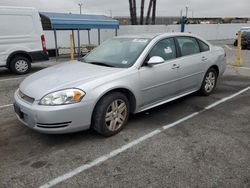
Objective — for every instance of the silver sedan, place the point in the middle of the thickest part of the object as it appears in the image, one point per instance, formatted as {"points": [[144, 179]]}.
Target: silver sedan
{"points": [[124, 75]]}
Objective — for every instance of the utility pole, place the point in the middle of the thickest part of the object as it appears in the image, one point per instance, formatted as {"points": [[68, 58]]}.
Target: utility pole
{"points": [[111, 13], [80, 5]]}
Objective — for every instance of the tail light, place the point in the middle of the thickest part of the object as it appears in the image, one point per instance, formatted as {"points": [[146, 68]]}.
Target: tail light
{"points": [[43, 43]]}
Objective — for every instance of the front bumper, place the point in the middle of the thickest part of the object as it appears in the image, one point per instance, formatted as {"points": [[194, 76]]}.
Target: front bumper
{"points": [[54, 119]]}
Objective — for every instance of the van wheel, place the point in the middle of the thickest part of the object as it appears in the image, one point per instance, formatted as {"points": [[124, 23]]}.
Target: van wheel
{"points": [[20, 65], [111, 114]]}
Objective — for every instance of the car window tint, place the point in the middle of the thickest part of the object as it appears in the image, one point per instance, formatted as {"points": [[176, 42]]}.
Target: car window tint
{"points": [[165, 49], [203, 46], [188, 45]]}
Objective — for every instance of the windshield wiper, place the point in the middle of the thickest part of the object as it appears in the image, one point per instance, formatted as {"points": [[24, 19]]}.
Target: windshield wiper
{"points": [[101, 63]]}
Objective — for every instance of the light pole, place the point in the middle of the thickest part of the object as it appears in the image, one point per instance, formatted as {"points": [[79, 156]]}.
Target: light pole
{"points": [[186, 11], [80, 5]]}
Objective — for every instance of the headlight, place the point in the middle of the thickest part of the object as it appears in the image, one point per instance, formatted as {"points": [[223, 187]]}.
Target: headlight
{"points": [[67, 96]]}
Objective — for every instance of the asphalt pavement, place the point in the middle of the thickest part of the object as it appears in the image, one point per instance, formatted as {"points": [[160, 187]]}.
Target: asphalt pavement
{"points": [[188, 142]]}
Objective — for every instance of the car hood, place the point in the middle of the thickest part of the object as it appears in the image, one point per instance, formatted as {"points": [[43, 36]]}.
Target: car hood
{"points": [[66, 75]]}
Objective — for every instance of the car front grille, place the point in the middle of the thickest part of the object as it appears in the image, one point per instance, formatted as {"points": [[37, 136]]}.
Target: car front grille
{"points": [[25, 97]]}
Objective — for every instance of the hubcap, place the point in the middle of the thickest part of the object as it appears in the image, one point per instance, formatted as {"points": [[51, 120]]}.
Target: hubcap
{"points": [[210, 82], [116, 114], [21, 66]]}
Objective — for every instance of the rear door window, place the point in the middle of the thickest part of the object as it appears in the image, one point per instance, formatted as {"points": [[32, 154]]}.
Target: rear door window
{"points": [[188, 45]]}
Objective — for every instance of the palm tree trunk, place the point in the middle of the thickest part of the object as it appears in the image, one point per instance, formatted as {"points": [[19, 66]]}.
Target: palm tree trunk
{"points": [[134, 12], [149, 11], [131, 11], [142, 12], [153, 14]]}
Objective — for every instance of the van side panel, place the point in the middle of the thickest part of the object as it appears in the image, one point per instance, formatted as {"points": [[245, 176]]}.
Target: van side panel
{"points": [[21, 30]]}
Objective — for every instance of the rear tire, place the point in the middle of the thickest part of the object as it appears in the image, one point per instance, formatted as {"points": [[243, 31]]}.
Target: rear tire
{"points": [[209, 82], [111, 114], [20, 65]]}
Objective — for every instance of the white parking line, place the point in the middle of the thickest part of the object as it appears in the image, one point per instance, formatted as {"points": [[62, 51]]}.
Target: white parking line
{"points": [[247, 68], [228, 47], [125, 147], [5, 106], [9, 79]]}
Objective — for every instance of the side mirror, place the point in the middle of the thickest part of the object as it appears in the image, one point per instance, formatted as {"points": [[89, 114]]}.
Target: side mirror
{"points": [[155, 60]]}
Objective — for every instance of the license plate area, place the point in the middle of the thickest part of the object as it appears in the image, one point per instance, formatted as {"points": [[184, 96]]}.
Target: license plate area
{"points": [[18, 111]]}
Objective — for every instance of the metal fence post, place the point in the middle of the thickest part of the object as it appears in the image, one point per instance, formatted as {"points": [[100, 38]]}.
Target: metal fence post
{"points": [[238, 61], [71, 47]]}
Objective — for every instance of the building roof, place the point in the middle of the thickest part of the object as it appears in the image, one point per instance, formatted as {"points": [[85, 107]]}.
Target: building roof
{"points": [[62, 21]]}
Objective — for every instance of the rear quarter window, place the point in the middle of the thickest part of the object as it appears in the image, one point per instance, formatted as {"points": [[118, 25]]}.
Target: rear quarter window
{"points": [[203, 46]]}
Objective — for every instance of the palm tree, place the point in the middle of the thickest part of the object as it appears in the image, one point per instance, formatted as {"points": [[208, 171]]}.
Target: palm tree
{"points": [[142, 12], [134, 12], [131, 11], [149, 11], [153, 14]]}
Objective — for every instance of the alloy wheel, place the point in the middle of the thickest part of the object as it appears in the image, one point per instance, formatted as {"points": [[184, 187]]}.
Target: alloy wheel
{"points": [[116, 114], [210, 81]]}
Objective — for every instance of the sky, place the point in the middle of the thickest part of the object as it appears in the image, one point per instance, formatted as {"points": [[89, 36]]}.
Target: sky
{"points": [[196, 8]]}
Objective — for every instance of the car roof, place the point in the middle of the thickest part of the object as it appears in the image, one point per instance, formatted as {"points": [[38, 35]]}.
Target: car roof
{"points": [[245, 28], [153, 35]]}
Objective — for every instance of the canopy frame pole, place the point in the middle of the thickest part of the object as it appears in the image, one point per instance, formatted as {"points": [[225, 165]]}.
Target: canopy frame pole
{"points": [[89, 36], [74, 45], [116, 32], [79, 43], [55, 36], [99, 37]]}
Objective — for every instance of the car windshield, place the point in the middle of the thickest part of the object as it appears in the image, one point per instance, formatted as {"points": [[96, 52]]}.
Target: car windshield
{"points": [[246, 33], [117, 52]]}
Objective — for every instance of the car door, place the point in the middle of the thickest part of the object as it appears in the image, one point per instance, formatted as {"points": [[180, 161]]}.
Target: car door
{"points": [[192, 64], [159, 82]]}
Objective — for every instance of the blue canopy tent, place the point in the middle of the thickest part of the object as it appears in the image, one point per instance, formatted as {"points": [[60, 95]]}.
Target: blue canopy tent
{"points": [[62, 21]]}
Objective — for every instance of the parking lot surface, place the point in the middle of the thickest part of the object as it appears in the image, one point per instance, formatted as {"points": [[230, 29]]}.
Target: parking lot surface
{"points": [[208, 149]]}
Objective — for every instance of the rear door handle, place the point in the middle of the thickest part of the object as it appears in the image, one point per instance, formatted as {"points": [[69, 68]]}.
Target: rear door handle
{"points": [[203, 58], [175, 66]]}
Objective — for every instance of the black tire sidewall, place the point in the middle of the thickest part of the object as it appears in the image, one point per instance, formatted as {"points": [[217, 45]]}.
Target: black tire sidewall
{"points": [[13, 63], [202, 89], [98, 118]]}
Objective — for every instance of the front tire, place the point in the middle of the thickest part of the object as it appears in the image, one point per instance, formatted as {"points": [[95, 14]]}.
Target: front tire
{"points": [[209, 82], [111, 114], [20, 65]]}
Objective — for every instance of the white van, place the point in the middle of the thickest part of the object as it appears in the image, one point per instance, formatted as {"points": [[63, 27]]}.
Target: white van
{"points": [[21, 38]]}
